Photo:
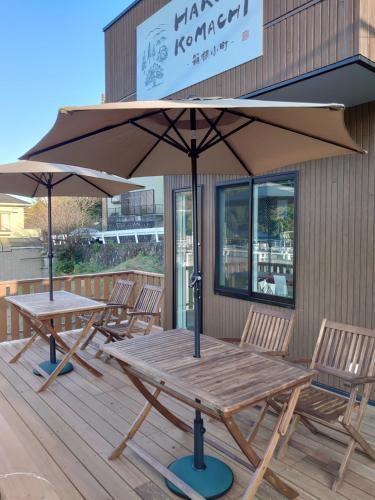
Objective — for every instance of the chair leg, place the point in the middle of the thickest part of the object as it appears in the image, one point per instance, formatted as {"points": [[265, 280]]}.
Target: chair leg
{"points": [[283, 446], [344, 464], [131, 324], [149, 326], [89, 339], [255, 427], [99, 352], [357, 436]]}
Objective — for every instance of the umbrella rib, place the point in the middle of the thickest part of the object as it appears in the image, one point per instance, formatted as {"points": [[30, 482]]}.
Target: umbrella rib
{"points": [[220, 137], [63, 179], [36, 179], [299, 132], [173, 125], [87, 135], [152, 148], [207, 134], [161, 137], [93, 185], [227, 144], [33, 177]]}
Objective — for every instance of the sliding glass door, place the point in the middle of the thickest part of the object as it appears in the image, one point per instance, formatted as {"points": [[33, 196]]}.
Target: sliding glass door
{"points": [[183, 258]]}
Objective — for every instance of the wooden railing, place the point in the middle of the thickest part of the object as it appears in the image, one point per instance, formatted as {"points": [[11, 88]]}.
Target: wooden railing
{"points": [[97, 286]]}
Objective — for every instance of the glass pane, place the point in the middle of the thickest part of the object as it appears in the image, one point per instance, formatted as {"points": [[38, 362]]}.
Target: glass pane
{"points": [[233, 227], [273, 237], [184, 299]]}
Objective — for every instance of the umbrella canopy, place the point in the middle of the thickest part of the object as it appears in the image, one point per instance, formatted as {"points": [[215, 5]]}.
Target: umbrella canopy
{"points": [[215, 136], [234, 136], [30, 178]]}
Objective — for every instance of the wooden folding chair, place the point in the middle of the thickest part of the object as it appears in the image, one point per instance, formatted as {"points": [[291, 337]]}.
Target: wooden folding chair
{"points": [[116, 308], [347, 352], [267, 330], [146, 307]]}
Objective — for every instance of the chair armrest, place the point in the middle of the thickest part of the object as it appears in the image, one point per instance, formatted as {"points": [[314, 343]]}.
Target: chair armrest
{"points": [[277, 353], [143, 313], [359, 380], [120, 306], [299, 360]]}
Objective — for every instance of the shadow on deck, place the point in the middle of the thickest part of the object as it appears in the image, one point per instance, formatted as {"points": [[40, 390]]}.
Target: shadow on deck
{"points": [[66, 434]]}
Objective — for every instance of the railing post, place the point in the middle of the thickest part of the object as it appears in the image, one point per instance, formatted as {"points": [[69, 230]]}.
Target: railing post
{"points": [[3, 314]]}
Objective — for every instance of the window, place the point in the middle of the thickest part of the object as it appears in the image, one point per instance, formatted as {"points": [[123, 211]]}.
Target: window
{"points": [[5, 221], [255, 239]]}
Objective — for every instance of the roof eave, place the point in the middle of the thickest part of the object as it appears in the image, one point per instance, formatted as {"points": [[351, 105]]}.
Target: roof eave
{"points": [[123, 13]]}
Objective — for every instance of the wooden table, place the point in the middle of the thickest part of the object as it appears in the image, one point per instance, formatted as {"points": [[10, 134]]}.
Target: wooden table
{"points": [[39, 311], [224, 381]]}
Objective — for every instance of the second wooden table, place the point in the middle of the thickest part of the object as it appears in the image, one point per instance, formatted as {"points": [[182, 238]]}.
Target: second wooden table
{"points": [[39, 311]]}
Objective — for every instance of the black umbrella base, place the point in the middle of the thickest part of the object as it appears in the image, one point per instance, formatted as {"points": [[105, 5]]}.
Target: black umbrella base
{"points": [[49, 368], [212, 482]]}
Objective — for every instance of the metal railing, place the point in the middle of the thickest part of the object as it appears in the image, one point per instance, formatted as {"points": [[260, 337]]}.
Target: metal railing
{"points": [[97, 286]]}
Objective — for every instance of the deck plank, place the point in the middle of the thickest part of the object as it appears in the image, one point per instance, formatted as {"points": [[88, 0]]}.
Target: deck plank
{"points": [[70, 429]]}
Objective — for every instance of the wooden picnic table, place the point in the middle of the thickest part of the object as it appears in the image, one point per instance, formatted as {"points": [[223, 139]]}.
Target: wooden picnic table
{"points": [[37, 309], [224, 381]]}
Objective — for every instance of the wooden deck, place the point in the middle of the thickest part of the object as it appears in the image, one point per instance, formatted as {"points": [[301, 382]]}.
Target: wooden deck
{"points": [[66, 433]]}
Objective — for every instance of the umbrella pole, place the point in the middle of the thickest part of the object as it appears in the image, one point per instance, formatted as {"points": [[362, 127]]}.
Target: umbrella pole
{"points": [[50, 366], [52, 342], [196, 280], [207, 475], [50, 242]]}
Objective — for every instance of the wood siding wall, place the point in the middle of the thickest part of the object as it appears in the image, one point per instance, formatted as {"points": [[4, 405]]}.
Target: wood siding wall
{"points": [[335, 244], [299, 36], [367, 29]]}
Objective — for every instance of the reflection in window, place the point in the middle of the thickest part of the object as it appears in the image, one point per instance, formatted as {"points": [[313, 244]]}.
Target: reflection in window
{"points": [[184, 260], [273, 238], [234, 237]]}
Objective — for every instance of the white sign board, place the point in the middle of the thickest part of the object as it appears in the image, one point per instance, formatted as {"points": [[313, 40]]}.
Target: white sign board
{"points": [[188, 41]]}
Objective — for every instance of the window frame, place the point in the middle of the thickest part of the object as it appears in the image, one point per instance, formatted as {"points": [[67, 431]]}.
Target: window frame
{"points": [[249, 294]]}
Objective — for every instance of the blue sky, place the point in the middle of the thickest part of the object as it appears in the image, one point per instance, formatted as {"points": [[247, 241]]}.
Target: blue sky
{"points": [[51, 55]]}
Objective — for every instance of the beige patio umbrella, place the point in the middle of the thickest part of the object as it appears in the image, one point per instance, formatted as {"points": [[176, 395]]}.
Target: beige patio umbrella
{"points": [[210, 136], [38, 179]]}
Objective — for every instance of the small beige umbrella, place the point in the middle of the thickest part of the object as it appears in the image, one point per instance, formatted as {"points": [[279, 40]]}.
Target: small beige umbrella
{"points": [[38, 179], [228, 136]]}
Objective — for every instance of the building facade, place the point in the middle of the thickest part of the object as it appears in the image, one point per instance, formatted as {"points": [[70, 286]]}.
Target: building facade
{"points": [[304, 236], [12, 218]]}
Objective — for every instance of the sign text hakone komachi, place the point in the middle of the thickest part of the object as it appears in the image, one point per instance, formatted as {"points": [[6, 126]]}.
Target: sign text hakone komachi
{"points": [[209, 28]]}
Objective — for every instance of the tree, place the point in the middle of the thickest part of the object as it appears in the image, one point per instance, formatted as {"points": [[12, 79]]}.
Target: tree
{"points": [[67, 214]]}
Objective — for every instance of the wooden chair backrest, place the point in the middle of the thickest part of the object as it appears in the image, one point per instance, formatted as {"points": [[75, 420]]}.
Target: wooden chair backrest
{"points": [[344, 350], [268, 328], [149, 299], [121, 292]]}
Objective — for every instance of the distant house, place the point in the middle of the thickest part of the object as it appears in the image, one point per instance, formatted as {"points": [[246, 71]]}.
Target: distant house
{"points": [[12, 218], [137, 209]]}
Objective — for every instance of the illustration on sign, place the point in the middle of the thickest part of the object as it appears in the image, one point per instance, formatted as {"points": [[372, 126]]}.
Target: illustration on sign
{"points": [[181, 44], [154, 56]]}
